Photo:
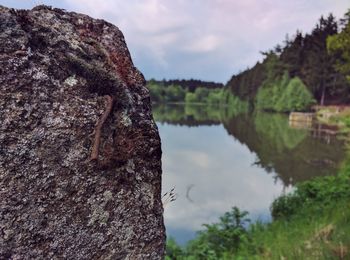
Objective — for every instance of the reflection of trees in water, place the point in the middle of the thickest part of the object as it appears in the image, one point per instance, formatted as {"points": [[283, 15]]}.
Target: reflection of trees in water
{"points": [[191, 114], [175, 115], [293, 154], [275, 127]]}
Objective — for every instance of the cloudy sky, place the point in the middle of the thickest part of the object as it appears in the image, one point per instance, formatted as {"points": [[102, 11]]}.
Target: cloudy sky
{"points": [[202, 39]]}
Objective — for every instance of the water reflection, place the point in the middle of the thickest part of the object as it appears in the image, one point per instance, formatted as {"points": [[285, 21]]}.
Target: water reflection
{"points": [[293, 154], [218, 158]]}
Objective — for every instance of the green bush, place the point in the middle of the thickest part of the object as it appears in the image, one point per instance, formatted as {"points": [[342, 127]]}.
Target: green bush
{"points": [[296, 97], [225, 236], [321, 191], [284, 95], [173, 250], [264, 100]]}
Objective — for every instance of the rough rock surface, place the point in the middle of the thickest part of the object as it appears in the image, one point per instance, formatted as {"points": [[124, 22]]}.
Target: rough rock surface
{"points": [[56, 68]]}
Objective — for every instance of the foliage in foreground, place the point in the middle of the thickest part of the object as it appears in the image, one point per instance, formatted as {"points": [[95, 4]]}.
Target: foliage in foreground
{"points": [[313, 222]]}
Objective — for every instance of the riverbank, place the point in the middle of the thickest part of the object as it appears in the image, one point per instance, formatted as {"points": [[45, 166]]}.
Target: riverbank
{"points": [[338, 116], [313, 222], [310, 223], [310, 220]]}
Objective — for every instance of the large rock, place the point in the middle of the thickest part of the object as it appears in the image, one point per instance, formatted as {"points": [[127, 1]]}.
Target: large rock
{"points": [[57, 69]]}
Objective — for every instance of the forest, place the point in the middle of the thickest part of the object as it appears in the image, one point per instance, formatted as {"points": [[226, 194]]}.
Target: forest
{"points": [[305, 70], [180, 91], [317, 62]]}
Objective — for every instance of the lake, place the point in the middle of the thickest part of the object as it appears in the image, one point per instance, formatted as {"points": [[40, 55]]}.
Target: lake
{"points": [[217, 158]]}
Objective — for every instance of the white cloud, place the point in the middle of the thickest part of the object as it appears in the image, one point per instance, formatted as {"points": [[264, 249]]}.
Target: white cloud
{"points": [[206, 39], [205, 43]]}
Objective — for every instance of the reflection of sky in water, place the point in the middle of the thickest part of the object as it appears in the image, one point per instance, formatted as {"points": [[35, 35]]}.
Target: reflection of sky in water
{"points": [[220, 174]]}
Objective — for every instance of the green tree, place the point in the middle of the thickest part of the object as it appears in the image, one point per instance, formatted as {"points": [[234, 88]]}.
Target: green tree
{"points": [[246, 84], [263, 99], [284, 95], [317, 70], [269, 94], [175, 93], [215, 97], [274, 68], [190, 97], [156, 91], [292, 55], [202, 94], [339, 45], [296, 97]]}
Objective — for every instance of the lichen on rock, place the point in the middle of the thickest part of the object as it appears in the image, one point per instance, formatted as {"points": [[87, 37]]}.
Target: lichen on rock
{"points": [[55, 69]]}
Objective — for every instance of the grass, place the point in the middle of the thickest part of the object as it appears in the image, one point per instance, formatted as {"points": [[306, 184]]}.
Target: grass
{"points": [[313, 222], [317, 223], [312, 233]]}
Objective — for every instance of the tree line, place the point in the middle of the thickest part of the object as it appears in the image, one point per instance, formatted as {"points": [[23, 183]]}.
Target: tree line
{"points": [[189, 84], [307, 69], [316, 63], [213, 97]]}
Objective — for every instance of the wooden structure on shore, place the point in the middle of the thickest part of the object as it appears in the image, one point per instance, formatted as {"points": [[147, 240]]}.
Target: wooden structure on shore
{"points": [[301, 120]]}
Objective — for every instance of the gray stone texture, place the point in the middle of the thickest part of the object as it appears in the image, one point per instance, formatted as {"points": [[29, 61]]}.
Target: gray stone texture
{"points": [[56, 68]]}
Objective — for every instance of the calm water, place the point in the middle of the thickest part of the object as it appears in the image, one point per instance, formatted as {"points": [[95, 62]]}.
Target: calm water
{"points": [[217, 159]]}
